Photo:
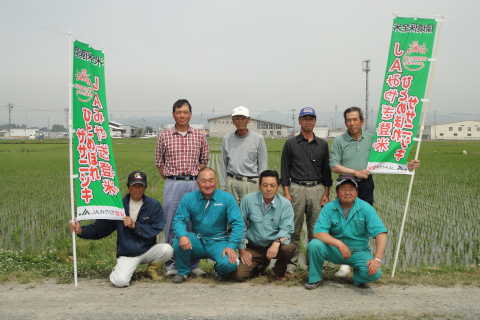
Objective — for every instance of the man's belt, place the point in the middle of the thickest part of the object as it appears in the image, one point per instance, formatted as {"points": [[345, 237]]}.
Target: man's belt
{"points": [[240, 178], [307, 184], [183, 178]]}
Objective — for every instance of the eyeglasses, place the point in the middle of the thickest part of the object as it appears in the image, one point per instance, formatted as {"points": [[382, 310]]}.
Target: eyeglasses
{"points": [[308, 119], [239, 118]]}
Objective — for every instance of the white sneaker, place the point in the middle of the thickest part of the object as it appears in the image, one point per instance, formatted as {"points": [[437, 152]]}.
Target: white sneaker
{"points": [[171, 273], [344, 270], [198, 272]]}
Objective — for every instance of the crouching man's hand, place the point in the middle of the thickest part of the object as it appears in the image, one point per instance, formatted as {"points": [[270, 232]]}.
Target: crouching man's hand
{"points": [[232, 256], [245, 257], [345, 251], [373, 266], [75, 227], [185, 243]]}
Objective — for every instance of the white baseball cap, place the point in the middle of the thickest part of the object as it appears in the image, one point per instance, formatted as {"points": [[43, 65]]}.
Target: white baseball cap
{"points": [[241, 111]]}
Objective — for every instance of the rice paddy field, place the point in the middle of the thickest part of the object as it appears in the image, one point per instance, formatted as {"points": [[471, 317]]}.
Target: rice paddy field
{"points": [[442, 228]]}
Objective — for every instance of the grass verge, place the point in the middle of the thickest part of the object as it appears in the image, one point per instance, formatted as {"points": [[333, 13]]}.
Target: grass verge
{"points": [[97, 258]]}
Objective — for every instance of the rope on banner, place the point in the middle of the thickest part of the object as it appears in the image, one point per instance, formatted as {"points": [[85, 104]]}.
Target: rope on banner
{"points": [[426, 101]]}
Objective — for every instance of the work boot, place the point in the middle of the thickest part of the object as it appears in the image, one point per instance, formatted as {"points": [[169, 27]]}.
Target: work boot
{"points": [[152, 270], [282, 278]]}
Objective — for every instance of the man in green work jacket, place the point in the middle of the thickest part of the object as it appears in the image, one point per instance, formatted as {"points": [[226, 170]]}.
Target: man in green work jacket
{"points": [[268, 219], [341, 236]]}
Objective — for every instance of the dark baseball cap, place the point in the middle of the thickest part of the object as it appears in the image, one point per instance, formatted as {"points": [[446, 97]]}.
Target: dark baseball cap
{"points": [[347, 178], [307, 111], [137, 177]]}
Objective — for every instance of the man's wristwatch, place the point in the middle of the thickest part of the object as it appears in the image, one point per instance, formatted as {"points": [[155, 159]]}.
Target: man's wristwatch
{"points": [[279, 241], [378, 260]]}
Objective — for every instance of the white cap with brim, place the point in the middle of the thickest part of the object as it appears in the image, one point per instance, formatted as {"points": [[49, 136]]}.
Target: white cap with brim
{"points": [[241, 111]]}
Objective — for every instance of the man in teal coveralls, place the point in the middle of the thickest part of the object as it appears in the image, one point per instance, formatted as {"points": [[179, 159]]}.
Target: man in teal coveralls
{"points": [[341, 236], [209, 209]]}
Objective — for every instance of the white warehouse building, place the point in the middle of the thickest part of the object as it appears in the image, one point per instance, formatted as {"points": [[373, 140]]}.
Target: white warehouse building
{"points": [[222, 125], [459, 130]]}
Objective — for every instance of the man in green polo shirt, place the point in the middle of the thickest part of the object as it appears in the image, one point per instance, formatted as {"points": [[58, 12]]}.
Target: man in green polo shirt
{"points": [[349, 156], [341, 236]]}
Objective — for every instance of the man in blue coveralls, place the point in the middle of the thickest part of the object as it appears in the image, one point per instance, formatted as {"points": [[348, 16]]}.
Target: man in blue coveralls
{"points": [[210, 210], [341, 236]]}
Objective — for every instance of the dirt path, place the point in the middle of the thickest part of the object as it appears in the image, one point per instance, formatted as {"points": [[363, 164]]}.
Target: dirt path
{"points": [[98, 299]]}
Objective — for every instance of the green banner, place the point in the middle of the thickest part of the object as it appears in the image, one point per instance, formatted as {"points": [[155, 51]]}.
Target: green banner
{"points": [[406, 78], [97, 190]]}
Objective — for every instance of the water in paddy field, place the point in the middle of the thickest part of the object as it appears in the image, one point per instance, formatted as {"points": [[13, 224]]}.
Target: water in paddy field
{"points": [[442, 227]]}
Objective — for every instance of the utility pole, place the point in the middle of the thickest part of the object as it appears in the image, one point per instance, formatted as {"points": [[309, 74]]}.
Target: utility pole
{"points": [[366, 68], [371, 118], [213, 113], [332, 123], [293, 120], [435, 121], [10, 107], [336, 107], [66, 117], [26, 114], [48, 124]]}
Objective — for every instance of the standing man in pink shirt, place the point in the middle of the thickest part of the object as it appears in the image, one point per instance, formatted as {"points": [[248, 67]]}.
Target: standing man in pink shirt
{"points": [[181, 152]]}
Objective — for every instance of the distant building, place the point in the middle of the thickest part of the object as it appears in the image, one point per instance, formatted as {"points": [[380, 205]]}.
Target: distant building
{"points": [[336, 133], [458, 130], [321, 131], [116, 129], [222, 125], [164, 127], [129, 129], [21, 133]]}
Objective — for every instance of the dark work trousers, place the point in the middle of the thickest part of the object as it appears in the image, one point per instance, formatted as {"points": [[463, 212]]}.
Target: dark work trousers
{"points": [[259, 257], [365, 190]]}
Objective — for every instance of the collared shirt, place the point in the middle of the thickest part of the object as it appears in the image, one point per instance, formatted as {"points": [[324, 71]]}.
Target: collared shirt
{"points": [[305, 161], [353, 231], [265, 227], [351, 153], [209, 221], [242, 155], [266, 206], [179, 155]]}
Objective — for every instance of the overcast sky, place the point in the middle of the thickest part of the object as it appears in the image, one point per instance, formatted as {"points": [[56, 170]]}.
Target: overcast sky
{"points": [[264, 55]]}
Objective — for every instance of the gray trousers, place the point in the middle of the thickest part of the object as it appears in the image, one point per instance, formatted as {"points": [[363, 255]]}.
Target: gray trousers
{"points": [[305, 202], [173, 192], [238, 189]]}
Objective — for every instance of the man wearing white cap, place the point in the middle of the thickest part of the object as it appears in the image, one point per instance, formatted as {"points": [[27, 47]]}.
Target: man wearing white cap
{"points": [[243, 157]]}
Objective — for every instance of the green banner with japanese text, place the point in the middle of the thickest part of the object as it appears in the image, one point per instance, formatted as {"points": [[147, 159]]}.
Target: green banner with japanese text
{"points": [[97, 190], [405, 81]]}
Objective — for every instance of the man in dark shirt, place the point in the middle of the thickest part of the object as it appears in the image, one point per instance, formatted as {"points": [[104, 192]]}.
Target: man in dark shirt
{"points": [[304, 170], [136, 233]]}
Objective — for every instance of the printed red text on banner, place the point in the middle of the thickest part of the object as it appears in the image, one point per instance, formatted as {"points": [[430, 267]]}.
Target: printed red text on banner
{"points": [[404, 86], [97, 189]]}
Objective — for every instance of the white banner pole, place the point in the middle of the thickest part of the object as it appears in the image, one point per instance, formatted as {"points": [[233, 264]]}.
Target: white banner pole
{"points": [[418, 148], [70, 137], [70, 149]]}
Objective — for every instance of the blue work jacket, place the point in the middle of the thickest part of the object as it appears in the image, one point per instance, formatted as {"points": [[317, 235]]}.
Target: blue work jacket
{"points": [[362, 222], [209, 222], [264, 228], [131, 242]]}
